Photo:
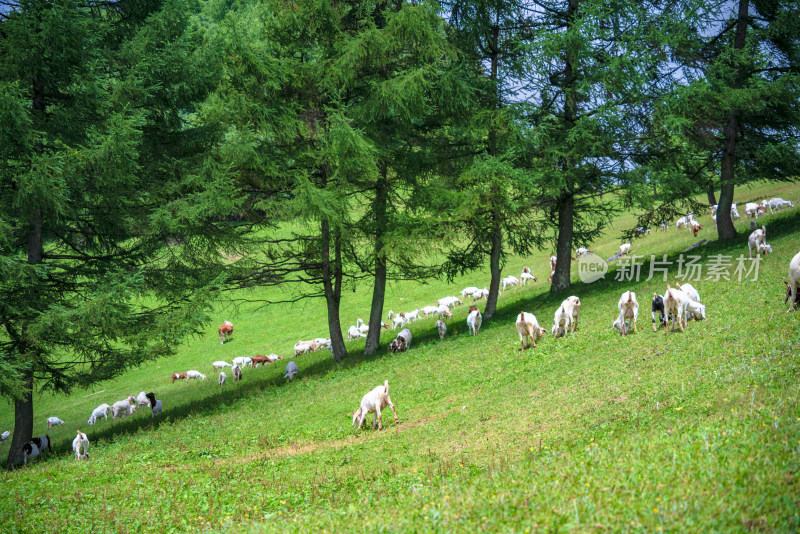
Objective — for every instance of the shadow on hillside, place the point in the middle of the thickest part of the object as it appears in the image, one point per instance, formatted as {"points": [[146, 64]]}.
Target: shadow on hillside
{"points": [[253, 384]]}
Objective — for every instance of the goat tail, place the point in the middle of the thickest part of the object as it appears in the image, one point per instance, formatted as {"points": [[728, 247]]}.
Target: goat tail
{"points": [[385, 387], [630, 296]]}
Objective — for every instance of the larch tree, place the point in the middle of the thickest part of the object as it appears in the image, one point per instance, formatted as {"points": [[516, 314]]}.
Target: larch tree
{"points": [[98, 173]]}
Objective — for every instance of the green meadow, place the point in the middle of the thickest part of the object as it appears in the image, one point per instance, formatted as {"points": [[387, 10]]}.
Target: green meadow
{"points": [[653, 432]]}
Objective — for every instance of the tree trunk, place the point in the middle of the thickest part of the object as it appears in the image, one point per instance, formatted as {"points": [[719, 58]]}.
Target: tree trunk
{"points": [[332, 283], [712, 198], [379, 288], [725, 228], [494, 267], [23, 407], [566, 210], [23, 423]]}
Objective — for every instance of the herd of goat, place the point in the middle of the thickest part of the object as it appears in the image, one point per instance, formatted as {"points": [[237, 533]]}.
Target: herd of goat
{"points": [[678, 304]]}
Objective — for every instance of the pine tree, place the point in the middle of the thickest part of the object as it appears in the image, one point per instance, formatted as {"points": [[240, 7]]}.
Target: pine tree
{"points": [[96, 177]]}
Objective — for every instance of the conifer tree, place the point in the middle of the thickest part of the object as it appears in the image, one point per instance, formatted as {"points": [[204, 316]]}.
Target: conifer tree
{"points": [[96, 177]]}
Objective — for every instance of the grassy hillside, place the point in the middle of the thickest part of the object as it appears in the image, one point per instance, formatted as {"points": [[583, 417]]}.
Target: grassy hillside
{"points": [[656, 431]]}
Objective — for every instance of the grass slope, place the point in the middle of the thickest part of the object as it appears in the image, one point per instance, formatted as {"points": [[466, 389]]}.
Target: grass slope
{"points": [[657, 432]]}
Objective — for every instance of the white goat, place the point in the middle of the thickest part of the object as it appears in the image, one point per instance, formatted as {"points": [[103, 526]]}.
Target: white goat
{"points": [[442, 327], [628, 309], [751, 210], [468, 291], [54, 421], [374, 402], [582, 251], [243, 361], [624, 248], [734, 212], [237, 373], [97, 412], [402, 342], [450, 302], [195, 374], [509, 281], [755, 240], [474, 320], [219, 364], [141, 399], [690, 291], [320, 342], [5, 435], [445, 312], [562, 321], [480, 294], [304, 347], [430, 310], [777, 203], [676, 303], [398, 321], [412, 316], [122, 408], [222, 378], [525, 277], [793, 283], [528, 329], [354, 333], [81, 446], [765, 248], [695, 310]]}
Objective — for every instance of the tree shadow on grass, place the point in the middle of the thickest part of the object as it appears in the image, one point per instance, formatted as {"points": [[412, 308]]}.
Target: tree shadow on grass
{"points": [[252, 384]]}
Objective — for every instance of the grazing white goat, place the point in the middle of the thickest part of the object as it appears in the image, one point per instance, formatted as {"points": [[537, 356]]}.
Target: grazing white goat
{"points": [[695, 310], [5, 435], [765, 248], [304, 347], [525, 277], [402, 342], [794, 281], [624, 248], [450, 302], [628, 309], [528, 329], [121, 408], [445, 312], [734, 212], [562, 321], [219, 365], [480, 294], [690, 291], [194, 374], [582, 251], [54, 421], [354, 333], [468, 291], [321, 342], [777, 203], [509, 281], [474, 320], [81, 446], [222, 378], [682, 223], [430, 310], [755, 240], [374, 402], [412, 315], [398, 321], [362, 326], [442, 327], [751, 210], [676, 303], [97, 412], [243, 361]]}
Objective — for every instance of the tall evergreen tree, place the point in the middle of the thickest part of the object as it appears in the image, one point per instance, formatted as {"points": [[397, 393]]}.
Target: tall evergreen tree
{"points": [[736, 106], [95, 178]]}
